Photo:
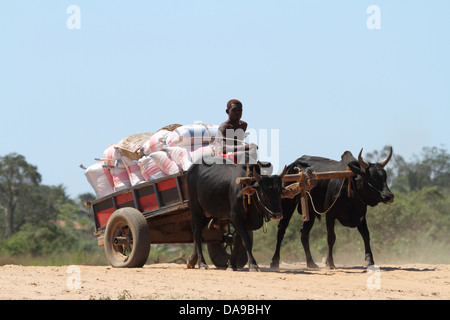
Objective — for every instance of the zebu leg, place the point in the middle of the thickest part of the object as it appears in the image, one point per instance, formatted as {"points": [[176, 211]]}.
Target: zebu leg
{"points": [[197, 227], [364, 231], [331, 239], [307, 226], [241, 230], [288, 207], [232, 261]]}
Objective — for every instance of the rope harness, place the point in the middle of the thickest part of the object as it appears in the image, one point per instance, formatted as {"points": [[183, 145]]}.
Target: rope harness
{"points": [[329, 208], [261, 204], [264, 227], [340, 189], [370, 185]]}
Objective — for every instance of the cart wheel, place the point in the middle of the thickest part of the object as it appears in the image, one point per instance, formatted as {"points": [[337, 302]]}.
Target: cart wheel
{"points": [[220, 252], [127, 239]]}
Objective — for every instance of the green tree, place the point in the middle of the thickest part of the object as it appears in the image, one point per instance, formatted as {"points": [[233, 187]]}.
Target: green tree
{"points": [[431, 168], [17, 178], [43, 203]]}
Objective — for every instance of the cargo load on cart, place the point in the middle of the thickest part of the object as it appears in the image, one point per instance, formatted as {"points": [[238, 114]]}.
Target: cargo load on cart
{"points": [[149, 156]]}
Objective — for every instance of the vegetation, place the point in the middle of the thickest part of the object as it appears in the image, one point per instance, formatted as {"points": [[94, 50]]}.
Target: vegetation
{"points": [[42, 225]]}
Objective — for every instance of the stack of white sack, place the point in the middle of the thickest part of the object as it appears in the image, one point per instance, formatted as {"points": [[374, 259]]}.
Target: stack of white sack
{"points": [[112, 161], [100, 179], [192, 135], [133, 170], [165, 153], [112, 173], [119, 166], [149, 169], [175, 151]]}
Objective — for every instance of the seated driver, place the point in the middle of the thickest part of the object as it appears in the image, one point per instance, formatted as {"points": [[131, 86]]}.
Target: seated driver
{"points": [[231, 134]]}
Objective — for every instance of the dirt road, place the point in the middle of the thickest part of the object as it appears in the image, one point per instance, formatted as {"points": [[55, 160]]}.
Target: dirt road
{"points": [[174, 281]]}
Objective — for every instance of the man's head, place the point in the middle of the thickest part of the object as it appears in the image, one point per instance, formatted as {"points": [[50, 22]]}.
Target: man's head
{"points": [[233, 102], [234, 109]]}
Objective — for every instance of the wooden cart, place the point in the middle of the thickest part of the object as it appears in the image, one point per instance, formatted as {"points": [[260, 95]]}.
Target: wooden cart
{"points": [[154, 212]]}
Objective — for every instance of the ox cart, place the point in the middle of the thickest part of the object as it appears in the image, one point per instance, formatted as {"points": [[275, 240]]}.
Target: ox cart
{"points": [[127, 222], [154, 212]]}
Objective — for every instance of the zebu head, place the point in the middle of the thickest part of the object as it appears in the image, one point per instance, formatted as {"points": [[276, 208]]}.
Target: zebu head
{"points": [[267, 192], [370, 182]]}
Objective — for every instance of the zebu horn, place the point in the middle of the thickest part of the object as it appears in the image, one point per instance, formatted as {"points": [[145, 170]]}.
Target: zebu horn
{"points": [[386, 161], [362, 163]]}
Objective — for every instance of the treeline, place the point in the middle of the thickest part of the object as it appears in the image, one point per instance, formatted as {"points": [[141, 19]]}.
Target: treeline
{"points": [[41, 224]]}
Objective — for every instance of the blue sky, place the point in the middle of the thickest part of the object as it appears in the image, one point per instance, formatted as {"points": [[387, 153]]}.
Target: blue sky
{"points": [[312, 70]]}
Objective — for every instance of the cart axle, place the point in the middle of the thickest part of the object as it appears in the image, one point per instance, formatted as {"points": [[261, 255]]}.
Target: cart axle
{"points": [[122, 241]]}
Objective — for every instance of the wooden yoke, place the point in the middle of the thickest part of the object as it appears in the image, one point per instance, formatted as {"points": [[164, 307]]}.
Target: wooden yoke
{"points": [[302, 186], [308, 180], [305, 181]]}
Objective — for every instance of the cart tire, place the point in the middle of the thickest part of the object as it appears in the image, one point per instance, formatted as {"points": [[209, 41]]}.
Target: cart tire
{"points": [[220, 253], [131, 226]]}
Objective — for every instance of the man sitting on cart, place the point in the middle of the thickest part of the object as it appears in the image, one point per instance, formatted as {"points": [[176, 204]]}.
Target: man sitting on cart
{"points": [[230, 137]]}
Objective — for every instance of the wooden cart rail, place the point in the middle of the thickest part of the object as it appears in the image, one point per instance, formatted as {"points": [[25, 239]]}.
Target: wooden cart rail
{"points": [[151, 198]]}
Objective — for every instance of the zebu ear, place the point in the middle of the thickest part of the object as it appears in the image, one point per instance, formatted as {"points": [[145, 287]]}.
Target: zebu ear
{"points": [[248, 190], [355, 168]]}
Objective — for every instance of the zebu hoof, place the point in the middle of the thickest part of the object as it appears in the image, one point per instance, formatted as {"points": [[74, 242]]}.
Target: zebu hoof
{"points": [[312, 265], [203, 266], [275, 266], [192, 261], [330, 263], [191, 264], [254, 268], [368, 261], [368, 264], [231, 268]]}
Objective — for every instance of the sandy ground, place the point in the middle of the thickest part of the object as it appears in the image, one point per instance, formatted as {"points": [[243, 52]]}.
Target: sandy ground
{"points": [[175, 281]]}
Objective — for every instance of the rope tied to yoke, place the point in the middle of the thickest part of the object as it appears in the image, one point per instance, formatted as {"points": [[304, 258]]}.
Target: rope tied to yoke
{"points": [[329, 208]]}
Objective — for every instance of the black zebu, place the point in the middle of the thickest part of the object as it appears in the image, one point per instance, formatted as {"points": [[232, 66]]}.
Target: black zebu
{"points": [[369, 187], [213, 193]]}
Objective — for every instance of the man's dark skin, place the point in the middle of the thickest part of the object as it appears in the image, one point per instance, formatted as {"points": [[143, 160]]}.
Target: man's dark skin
{"points": [[231, 134]]}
